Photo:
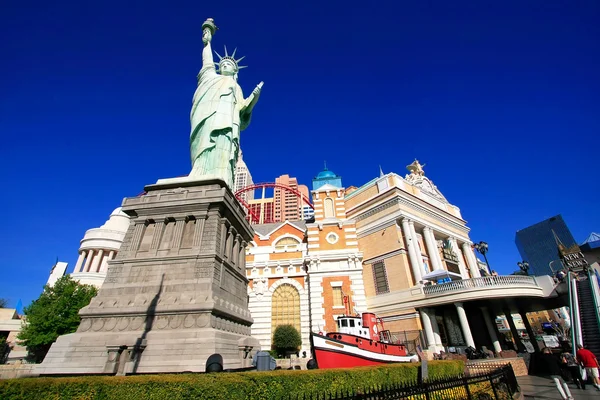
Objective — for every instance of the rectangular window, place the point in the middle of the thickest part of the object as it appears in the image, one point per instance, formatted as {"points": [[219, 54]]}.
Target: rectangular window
{"points": [[338, 297], [380, 278]]}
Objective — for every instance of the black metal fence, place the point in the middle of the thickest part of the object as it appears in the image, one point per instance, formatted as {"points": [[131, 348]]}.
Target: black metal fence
{"points": [[500, 384], [411, 339]]}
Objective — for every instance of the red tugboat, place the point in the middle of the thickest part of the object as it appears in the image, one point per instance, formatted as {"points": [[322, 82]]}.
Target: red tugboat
{"points": [[358, 342]]}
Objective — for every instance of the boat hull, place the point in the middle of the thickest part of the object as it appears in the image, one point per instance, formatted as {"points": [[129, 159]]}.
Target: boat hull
{"points": [[331, 353]]}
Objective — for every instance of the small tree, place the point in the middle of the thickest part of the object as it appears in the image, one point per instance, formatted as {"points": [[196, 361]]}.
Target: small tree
{"points": [[286, 339], [54, 313], [3, 303], [4, 349]]}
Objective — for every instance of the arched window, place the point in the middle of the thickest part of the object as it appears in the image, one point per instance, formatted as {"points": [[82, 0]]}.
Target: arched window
{"points": [[287, 243], [329, 208], [285, 307]]}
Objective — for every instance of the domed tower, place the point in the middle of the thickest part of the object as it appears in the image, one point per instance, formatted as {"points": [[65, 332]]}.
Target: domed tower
{"points": [[326, 177], [98, 247], [333, 258]]}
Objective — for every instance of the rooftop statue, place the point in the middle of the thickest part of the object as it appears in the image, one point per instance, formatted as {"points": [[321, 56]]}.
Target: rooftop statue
{"points": [[219, 113], [416, 168]]}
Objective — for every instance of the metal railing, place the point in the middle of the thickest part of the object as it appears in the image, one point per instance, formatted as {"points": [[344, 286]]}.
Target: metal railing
{"points": [[411, 339], [478, 283], [499, 384]]}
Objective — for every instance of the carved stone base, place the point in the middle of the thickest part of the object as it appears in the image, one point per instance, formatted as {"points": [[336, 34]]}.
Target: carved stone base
{"points": [[175, 294]]}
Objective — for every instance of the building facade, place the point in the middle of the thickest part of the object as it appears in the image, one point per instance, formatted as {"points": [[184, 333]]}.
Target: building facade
{"points": [[242, 179], [410, 235], [263, 208], [419, 268], [277, 290], [308, 212], [58, 271], [591, 250], [10, 326], [305, 274], [334, 261], [286, 204], [538, 246]]}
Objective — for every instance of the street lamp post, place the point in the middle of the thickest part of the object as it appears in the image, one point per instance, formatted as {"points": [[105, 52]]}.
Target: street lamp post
{"points": [[524, 266], [482, 247]]}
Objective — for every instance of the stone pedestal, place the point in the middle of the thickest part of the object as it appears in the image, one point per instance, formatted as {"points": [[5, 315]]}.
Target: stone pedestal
{"points": [[175, 294]]}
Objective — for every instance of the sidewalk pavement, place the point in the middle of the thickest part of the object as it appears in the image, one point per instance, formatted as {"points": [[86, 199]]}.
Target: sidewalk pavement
{"points": [[535, 387]]}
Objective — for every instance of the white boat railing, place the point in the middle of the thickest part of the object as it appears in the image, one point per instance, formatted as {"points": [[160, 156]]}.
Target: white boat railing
{"points": [[479, 283]]}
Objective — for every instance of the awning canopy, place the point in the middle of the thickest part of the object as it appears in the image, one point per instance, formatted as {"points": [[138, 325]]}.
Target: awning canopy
{"points": [[436, 275]]}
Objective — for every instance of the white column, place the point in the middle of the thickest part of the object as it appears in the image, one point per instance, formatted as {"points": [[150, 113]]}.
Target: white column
{"points": [[461, 264], [470, 257], [412, 254], [436, 328], [418, 252], [474, 260], [109, 257], [428, 329], [432, 249], [88, 260], [490, 327], [79, 262], [464, 324], [96, 263]]}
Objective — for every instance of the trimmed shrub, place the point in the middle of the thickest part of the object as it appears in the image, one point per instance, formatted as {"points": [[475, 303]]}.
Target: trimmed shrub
{"points": [[221, 386], [286, 338]]}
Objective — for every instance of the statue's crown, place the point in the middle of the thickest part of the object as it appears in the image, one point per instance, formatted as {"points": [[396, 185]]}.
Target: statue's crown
{"points": [[230, 58]]}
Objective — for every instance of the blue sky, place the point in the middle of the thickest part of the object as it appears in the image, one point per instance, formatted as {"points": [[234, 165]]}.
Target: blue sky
{"points": [[501, 100]]}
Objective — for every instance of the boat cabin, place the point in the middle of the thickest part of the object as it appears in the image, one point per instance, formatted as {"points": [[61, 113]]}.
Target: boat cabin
{"points": [[352, 326]]}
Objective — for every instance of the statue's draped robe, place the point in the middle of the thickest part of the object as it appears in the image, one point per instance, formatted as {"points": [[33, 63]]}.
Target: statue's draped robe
{"points": [[219, 113]]}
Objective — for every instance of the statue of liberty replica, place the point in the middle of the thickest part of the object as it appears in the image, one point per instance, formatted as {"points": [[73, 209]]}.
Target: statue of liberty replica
{"points": [[219, 113], [175, 297]]}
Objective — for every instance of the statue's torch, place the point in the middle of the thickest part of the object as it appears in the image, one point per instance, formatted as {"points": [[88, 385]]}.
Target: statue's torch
{"points": [[210, 25]]}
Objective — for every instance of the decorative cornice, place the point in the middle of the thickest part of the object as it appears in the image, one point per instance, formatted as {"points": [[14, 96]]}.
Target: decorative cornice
{"points": [[378, 209], [400, 193], [397, 201]]}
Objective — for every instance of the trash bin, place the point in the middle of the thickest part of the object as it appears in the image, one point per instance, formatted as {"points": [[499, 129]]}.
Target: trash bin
{"points": [[263, 361]]}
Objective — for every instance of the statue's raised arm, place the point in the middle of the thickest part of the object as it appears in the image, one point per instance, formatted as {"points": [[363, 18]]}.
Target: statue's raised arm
{"points": [[219, 113], [208, 30]]}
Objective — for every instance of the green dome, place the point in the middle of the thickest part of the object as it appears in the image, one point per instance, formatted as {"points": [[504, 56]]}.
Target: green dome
{"points": [[325, 174]]}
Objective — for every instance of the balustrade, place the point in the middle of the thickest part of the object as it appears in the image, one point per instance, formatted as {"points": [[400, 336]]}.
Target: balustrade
{"points": [[483, 282]]}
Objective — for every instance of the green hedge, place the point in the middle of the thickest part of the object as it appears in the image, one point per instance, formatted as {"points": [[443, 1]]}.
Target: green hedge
{"points": [[221, 386]]}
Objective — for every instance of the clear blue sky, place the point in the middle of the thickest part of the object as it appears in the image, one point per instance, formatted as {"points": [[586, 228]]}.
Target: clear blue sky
{"points": [[501, 100]]}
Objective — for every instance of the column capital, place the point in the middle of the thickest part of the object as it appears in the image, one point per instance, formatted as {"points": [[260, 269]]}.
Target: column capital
{"points": [[427, 229], [458, 304]]}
